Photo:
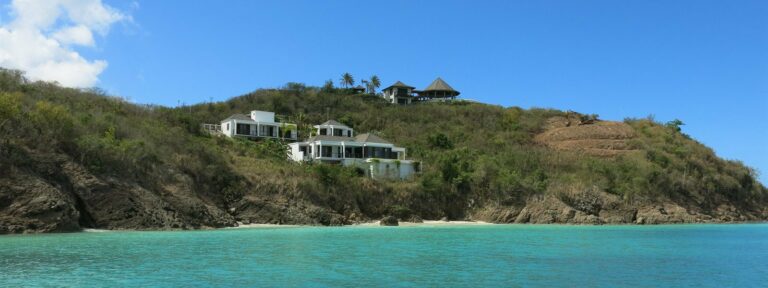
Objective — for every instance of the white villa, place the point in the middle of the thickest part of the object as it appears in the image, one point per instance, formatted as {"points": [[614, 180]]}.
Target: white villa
{"points": [[398, 93], [258, 125], [337, 143]]}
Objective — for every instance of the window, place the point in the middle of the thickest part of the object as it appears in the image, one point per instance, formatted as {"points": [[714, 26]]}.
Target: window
{"points": [[327, 151], [243, 129], [266, 130], [349, 133], [379, 152], [323, 131]]}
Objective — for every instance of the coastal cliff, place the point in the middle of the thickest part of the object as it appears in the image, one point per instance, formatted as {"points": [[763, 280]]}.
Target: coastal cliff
{"points": [[73, 159]]}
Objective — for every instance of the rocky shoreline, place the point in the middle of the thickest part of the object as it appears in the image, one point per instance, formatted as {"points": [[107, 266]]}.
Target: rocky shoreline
{"points": [[426, 223], [652, 215], [59, 195], [550, 210]]}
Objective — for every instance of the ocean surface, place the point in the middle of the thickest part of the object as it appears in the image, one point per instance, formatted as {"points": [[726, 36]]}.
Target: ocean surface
{"points": [[454, 256]]}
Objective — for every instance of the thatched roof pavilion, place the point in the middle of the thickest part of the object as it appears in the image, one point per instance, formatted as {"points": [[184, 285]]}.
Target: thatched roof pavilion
{"points": [[438, 89]]}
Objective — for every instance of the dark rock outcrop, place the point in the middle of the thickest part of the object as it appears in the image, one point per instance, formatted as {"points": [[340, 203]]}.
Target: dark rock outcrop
{"points": [[29, 204], [548, 209], [415, 219], [389, 221], [54, 194]]}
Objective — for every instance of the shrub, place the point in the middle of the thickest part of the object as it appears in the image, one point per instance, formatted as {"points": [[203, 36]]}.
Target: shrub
{"points": [[52, 122], [440, 140], [675, 125]]}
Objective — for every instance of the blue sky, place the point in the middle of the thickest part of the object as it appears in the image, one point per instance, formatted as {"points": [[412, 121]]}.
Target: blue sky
{"points": [[704, 62]]}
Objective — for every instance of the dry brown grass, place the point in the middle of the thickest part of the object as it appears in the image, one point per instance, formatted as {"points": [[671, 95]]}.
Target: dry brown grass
{"points": [[604, 138]]}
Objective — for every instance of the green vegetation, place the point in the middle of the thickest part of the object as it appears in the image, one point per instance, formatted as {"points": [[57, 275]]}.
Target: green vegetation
{"points": [[677, 166], [347, 80], [470, 154]]}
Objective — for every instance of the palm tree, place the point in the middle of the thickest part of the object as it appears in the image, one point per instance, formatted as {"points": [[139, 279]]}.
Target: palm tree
{"points": [[375, 83], [328, 86], [302, 126], [347, 80], [366, 84]]}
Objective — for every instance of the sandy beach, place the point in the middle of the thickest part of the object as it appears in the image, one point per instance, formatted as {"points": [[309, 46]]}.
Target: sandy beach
{"points": [[428, 223]]}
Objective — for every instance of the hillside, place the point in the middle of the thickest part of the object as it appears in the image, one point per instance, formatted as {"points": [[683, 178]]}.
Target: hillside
{"points": [[73, 159]]}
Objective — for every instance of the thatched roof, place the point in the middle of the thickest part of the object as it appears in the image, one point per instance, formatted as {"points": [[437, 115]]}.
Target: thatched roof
{"points": [[399, 84], [439, 85]]}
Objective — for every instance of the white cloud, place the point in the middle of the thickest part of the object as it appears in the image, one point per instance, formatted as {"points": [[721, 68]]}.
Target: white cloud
{"points": [[40, 39], [76, 35]]}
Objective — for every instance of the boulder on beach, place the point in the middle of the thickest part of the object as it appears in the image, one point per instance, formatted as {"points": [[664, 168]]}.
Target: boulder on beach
{"points": [[415, 219], [388, 221]]}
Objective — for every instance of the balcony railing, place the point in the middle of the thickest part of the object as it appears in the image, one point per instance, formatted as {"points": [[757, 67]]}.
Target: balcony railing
{"points": [[212, 128], [287, 136]]}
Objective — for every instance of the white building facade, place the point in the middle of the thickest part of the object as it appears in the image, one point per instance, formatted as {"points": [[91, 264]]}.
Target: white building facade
{"points": [[258, 125], [336, 143], [399, 93]]}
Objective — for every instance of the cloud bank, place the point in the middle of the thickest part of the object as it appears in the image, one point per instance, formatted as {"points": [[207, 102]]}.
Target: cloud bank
{"points": [[42, 34]]}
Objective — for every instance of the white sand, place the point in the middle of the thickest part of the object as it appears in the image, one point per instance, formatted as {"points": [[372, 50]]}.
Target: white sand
{"points": [[429, 223], [96, 230], [241, 226]]}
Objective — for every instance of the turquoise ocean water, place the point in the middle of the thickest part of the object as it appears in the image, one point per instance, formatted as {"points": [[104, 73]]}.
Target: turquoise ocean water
{"points": [[462, 256]]}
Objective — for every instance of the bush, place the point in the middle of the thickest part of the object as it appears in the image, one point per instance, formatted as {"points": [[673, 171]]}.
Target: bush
{"points": [[675, 125], [440, 140], [10, 107], [271, 149], [330, 175], [52, 122]]}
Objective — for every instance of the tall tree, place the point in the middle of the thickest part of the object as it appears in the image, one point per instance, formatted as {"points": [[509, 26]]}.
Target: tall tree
{"points": [[367, 85], [347, 80], [304, 129], [328, 86], [375, 83]]}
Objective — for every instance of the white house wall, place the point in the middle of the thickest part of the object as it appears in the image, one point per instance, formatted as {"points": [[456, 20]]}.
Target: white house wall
{"points": [[263, 116], [227, 130], [296, 155]]}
